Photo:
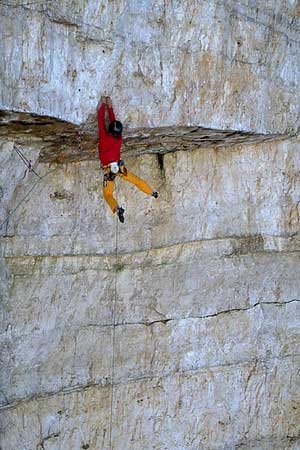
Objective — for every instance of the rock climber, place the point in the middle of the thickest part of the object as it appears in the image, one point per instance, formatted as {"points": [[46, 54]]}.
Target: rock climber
{"points": [[110, 142]]}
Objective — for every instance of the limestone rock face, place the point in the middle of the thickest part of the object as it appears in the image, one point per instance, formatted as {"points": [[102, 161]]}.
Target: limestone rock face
{"points": [[179, 329], [217, 64]]}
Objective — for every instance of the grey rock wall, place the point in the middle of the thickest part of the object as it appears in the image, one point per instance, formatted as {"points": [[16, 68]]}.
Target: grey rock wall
{"points": [[219, 64], [179, 329]]}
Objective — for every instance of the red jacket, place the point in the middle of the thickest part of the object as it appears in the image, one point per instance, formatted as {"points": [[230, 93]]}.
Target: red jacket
{"points": [[109, 147]]}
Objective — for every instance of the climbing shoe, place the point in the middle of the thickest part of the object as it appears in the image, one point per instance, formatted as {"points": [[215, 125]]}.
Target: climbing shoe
{"points": [[120, 213], [155, 194]]}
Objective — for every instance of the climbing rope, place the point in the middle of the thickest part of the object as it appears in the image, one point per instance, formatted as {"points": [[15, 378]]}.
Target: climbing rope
{"points": [[30, 169], [40, 178], [112, 391], [24, 198], [26, 161]]}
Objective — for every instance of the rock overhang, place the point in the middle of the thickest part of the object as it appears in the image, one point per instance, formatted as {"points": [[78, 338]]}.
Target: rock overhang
{"points": [[61, 141]]}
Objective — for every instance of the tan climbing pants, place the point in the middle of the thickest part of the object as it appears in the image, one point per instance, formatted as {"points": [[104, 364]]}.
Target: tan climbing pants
{"points": [[109, 185]]}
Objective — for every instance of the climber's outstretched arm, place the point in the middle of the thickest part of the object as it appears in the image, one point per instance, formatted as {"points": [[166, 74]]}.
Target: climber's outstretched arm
{"points": [[111, 113], [101, 116], [101, 102]]}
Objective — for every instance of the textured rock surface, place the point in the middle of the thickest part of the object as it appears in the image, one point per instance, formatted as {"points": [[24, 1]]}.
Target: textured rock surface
{"points": [[218, 64], [61, 141], [195, 319], [178, 330]]}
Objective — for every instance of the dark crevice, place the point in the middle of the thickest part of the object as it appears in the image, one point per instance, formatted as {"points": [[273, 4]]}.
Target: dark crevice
{"points": [[208, 316], [161, 165], [163, 321], [160, 161]]}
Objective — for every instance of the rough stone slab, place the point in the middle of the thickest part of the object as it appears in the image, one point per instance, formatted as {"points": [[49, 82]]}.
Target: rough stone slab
{"points": [[199, 285], [215, 292], [50, 360], [64, 142], [68, 420], [245, 405], [168, 317], [218, 64], [247, 191], [216, 409], [178, 330], [205, 286], [190, 344], [211, 409]]}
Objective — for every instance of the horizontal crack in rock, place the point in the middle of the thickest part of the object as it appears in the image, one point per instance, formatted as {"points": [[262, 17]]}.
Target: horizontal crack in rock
{"points": [[208, 316], [84, 387], [232, 246]]}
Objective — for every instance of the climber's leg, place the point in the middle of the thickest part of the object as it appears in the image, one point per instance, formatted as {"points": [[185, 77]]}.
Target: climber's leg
{"points": [[138, 182], [108, 189]]}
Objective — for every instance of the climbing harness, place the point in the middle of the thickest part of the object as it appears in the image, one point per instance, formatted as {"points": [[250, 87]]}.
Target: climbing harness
{"points": [[114, 167], [108, 176], [122, 167]]}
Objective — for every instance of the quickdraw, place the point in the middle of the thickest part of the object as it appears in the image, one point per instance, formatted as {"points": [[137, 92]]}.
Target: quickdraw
{"points": [[27, 162], [79, 138]]}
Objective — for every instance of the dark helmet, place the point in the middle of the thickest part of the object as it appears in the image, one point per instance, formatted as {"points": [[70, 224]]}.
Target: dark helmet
{"points": [[115, 128]]}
